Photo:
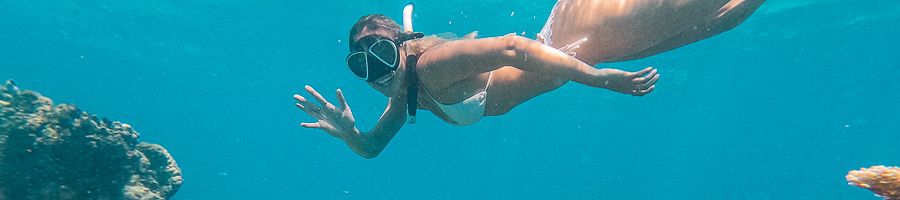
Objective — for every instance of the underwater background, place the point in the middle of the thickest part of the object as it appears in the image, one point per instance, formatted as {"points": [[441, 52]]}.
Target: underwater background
{"points": [[780, 107]]}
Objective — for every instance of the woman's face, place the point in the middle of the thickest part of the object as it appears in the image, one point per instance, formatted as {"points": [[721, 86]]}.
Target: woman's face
{"points": [[392, 83]]}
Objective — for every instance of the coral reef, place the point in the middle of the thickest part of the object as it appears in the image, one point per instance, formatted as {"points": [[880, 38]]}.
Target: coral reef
{"points": [[883, 181], [60, 152]]}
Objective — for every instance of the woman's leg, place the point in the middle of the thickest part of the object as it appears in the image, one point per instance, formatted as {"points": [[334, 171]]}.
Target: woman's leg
{"points": [[616, 30], [729, 16], [510, 87]]}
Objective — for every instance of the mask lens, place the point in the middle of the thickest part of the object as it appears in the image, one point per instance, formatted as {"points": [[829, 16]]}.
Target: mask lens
{"points": [[386, 52], [358, 64]]}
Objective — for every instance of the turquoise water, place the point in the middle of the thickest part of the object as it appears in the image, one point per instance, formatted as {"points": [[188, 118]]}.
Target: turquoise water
{"points": [[779, 108]]}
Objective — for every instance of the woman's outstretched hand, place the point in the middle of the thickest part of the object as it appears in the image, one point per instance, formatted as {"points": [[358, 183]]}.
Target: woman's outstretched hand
{"points": [[336, 121], [637, 83]]}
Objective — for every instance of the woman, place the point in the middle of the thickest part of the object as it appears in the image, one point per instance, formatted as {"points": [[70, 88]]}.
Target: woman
{"points": [[462, 80]]}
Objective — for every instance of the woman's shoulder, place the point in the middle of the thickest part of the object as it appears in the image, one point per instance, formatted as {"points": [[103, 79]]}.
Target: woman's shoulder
{"points": [[453, 36], [426, 43]]}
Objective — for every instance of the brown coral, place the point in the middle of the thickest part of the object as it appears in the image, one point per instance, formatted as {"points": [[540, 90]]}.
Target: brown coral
{"points": [[60, 152], [883, 181]]}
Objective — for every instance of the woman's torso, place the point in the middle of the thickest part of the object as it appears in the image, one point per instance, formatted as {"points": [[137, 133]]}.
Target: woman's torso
{"points": [[452, 95]]}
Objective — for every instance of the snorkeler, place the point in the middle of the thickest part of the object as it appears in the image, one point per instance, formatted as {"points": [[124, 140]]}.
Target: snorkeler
{"points": [[462, 80]]}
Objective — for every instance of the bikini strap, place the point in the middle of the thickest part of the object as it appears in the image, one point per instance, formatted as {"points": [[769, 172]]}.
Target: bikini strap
{"points": [[490, 76]]}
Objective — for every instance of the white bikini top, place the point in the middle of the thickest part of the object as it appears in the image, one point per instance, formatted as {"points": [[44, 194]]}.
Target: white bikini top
{"points": [[467, 111]]}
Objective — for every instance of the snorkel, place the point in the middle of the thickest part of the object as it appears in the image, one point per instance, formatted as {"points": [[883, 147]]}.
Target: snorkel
{"points": [[412, 78], [408, 33], [407, 17]]}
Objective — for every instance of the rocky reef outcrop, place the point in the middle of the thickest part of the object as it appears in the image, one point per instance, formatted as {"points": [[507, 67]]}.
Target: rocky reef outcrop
{"points": [[60, 152], [883, 181]]}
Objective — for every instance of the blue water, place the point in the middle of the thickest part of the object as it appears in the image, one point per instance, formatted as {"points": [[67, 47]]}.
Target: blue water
{"points": [[779, 108]]}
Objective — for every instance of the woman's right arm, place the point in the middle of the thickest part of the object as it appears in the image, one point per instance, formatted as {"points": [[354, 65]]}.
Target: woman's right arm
{"points": [[457, 60], [339, 122]]}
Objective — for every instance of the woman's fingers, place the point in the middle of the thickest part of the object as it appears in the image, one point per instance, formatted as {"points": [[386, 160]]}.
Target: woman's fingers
{"points": [[304, 102], [645, 92], [643, 78], [310, 106], [310, 125], [642, 73], [341, 100], [646, 83], [307, 110], [651, 82], [317, 96], [651, 74]]}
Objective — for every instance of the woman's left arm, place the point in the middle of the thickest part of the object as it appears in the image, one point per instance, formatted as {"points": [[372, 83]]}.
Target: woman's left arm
{"points": [[370, 144], [338, 121]]}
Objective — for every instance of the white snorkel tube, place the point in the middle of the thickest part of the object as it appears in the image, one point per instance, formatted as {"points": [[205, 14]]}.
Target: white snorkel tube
{"points": [[407, 17]]}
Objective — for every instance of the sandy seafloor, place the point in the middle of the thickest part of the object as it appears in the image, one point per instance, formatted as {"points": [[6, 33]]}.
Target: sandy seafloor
{"points": [[779, 108]]}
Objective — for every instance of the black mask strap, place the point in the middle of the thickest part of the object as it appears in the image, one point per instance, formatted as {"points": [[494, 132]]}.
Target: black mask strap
{"points": [[407, 36], [412, 87]]}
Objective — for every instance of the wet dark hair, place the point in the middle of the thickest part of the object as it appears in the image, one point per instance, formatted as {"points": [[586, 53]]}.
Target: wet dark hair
{"points": [[372, 24]]}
